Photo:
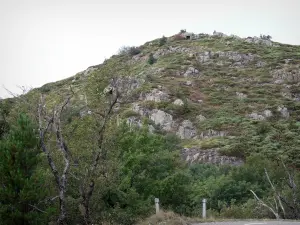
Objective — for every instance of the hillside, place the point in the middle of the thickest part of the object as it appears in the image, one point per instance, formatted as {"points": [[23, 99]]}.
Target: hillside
{"points": [[211, 91], [229, 101]]}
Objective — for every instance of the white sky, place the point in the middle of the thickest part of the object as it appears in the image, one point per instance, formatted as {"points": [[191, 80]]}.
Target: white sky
{"points": [[45, 41]]}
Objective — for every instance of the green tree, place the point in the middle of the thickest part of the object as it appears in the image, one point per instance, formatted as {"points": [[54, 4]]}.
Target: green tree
{"points": [[21, 185]]}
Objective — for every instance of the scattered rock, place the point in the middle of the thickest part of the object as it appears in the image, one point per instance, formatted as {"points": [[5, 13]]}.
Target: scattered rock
{"points": [[186, 130], [156, 95], [212, 133], [191, 71], [219, 34], [178, 102], [256, 116], [291, 75], [241, 95], [200, 118], [140, 110], [188, 83], [268, 113], [284, 112], [260, 64], [257, 40]]}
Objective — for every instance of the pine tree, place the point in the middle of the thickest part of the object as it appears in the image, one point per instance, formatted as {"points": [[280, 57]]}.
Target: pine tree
{"points": [[21, 185]]}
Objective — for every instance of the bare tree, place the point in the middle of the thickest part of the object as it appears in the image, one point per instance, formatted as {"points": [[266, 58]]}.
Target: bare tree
{"points": [[274, 208], [53, 122], [283, 201]]}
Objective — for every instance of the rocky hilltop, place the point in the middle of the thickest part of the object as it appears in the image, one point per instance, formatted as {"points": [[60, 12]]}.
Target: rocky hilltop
{"points": [[223, 96]]}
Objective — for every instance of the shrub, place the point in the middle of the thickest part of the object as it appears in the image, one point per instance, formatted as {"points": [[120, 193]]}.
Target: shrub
{"points": [[265, 37], [151, 59], [162, 41], [126, 50]]}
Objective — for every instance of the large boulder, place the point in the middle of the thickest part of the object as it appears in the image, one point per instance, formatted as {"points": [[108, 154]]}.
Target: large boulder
{"points": [[163, 119], [186, 130]]}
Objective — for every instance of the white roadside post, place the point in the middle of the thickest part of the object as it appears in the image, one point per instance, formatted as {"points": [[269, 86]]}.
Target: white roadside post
{"points": [[157, 205], [204, 208]]}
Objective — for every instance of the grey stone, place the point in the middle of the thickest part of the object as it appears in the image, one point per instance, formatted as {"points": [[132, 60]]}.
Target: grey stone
{"points": [[200, 118], [186, 130], [256, 116], [284, 111], [268, 113], [191, 71], [188, 83], [156, 95], [178, 102], [212, 133], [163, 119], [241, 95]]}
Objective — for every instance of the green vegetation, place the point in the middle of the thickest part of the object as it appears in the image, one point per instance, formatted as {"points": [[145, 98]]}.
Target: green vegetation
{"points": [[115, 170]]}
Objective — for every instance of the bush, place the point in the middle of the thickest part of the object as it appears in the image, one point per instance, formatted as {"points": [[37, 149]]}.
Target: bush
{"points": [[265, 37], [162, 41], [151, 59], [126, 50]]}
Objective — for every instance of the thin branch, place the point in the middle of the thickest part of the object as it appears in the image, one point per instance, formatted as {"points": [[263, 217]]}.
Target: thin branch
{"points": [[37, 208], [264, 204]]}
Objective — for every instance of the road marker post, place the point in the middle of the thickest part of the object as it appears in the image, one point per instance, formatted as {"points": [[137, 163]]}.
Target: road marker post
{"points": [[204, 208], [157, 205]]}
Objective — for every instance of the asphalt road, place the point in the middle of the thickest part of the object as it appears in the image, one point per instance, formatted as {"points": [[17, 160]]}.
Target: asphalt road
{"points": [[251, 223]]}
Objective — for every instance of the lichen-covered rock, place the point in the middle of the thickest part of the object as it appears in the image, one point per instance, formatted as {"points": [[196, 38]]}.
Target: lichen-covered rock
{"points": [[284, 112], [212, 133], [291, 75], [257, 40], [178, 102], [268, 113], [191, 71], [140, 110], [209, 156], [200, 118], [256, 116], [186, 130], [156, 95], [163, 119], [241, 95]]}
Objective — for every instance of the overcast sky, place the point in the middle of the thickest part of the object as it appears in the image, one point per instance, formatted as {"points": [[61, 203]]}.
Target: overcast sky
{"points": [[45, 41]]}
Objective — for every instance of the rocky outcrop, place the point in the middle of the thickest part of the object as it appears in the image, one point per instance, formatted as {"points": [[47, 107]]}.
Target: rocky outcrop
{"points": [[191, 72], [256, 116], [163, 119], [124, 85], [186, 130], [261, 116], [284, 112], [238, 59], [212, 133], [210, 156], [171, 49], [257, 40], [291, 75], [155, 95]]}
